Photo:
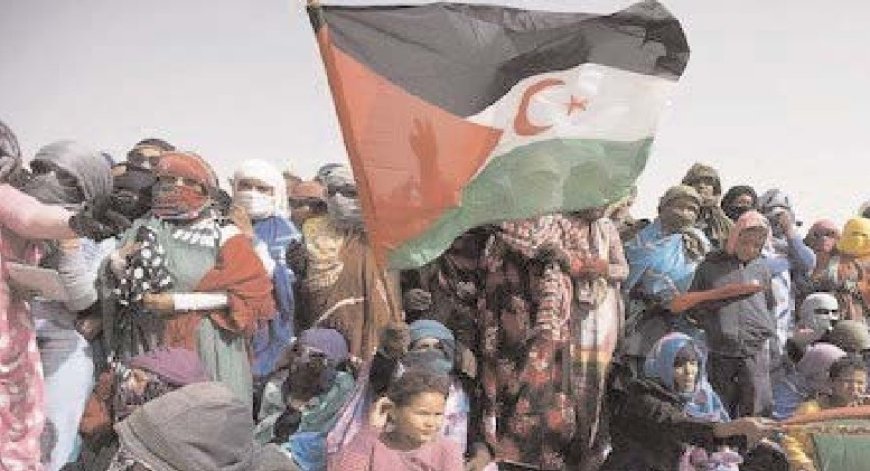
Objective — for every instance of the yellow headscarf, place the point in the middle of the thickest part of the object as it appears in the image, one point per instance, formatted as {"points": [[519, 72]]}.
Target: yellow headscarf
{"points": [[855, 240]]}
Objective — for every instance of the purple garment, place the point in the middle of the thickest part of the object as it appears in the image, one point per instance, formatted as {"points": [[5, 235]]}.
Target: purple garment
{"points": [[176, 366], [328, 341]]}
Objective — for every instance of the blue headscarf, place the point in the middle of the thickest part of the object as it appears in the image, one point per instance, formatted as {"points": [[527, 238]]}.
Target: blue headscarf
{"points": [[277, 232], [438, 362], [659, 262], [703, 402]]}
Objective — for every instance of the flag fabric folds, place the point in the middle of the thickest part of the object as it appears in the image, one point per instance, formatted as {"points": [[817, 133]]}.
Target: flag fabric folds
{"points": [[457, 115]]}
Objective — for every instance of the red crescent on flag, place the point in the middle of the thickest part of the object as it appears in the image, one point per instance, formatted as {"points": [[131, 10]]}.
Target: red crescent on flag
{"points": [[522, 125]]}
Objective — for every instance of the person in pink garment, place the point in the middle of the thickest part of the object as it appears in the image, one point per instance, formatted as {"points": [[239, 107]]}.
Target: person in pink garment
{"points": [[411, 440], [22, 218]]}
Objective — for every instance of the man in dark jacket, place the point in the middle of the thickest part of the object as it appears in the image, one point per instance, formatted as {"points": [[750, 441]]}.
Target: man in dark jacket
{"points": [[738, 329]]}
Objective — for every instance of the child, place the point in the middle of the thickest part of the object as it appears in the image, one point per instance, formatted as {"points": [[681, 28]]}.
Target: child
{"points": [[848, 386], [411, 440]]}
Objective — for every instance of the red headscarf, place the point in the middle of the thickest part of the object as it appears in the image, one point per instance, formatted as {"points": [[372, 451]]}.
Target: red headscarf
{"points": [[183, 202]]}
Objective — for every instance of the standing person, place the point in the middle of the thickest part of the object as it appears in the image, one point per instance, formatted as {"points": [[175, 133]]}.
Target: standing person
{"points": [[662, 261], [344, 288], [22, 413], [146, 153], [712, 221], [67, 173], [739, 329], [808, 379], [549, 318], [203, 276], [790, 260], [259, 190], [845, 273], [414, 411], [737, 200]]}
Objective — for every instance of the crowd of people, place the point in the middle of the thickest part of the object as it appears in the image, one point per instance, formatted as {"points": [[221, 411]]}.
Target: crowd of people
{"points": [[251, 327]]}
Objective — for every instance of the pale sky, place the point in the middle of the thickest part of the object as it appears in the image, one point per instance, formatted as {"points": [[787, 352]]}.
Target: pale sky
{"points": [[775, 94]]}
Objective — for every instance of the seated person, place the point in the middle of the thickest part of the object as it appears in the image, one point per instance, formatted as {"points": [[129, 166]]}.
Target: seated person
{"points": [[808, 378], [201, 426], [672, 418], [125, 388], [303, 398], [848, 388], [410, 440]]}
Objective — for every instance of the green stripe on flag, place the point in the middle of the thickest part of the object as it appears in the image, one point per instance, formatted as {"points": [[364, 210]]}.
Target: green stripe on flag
{"points": [[538, 178]]}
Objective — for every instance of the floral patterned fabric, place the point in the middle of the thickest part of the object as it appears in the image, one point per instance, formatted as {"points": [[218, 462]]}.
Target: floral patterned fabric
{"points": [[547, 340]]}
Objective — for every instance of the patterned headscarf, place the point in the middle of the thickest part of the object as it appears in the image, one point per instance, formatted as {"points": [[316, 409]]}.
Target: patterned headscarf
{"points": [[700, 171], [178, 202]]}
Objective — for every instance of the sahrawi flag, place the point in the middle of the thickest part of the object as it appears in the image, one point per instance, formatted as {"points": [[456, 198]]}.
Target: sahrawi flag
{"points": [[456, 115]]}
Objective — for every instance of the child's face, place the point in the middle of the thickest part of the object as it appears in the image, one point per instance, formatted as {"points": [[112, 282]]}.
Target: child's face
{"points": [[849, 388], [420, 420], [685, 376]]}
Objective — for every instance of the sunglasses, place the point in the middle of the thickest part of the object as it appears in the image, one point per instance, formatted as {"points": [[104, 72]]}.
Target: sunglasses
{"points": [[824, 312], [346, 191]]}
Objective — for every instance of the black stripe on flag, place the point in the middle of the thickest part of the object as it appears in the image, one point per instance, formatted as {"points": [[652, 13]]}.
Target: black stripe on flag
{"points": [[464, 57]]}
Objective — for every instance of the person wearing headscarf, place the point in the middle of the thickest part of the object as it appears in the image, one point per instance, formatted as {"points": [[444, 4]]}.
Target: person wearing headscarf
{"points": [[737, 200], [662, 259], [549, 319], [199, 426], [845, 273], [807, 379], [303, 398], [126, 387], [307, 200], [146, 153], [23, 221], [845, 385], [738, 329], [790, 260], [259, 190], [67, 174], [343, 286], [672, 418], [712, 220], [195, 275]]}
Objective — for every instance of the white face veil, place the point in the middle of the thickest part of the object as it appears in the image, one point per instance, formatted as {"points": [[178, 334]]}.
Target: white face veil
{"points": [[259, 205]]}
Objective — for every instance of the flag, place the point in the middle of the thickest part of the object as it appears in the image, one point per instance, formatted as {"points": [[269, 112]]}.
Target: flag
{"points": [[457, 115]]}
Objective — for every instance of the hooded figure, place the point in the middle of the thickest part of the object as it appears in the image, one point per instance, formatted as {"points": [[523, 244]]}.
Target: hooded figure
{"points": [[845, 273], [662, 260], [303, 398], [68, 174], [212, 290], [201, 426], [22, 218], [343, 285], [737, 200], [663, 423], [738, 329], [712, 220], [260, 190], [789, 258]]}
